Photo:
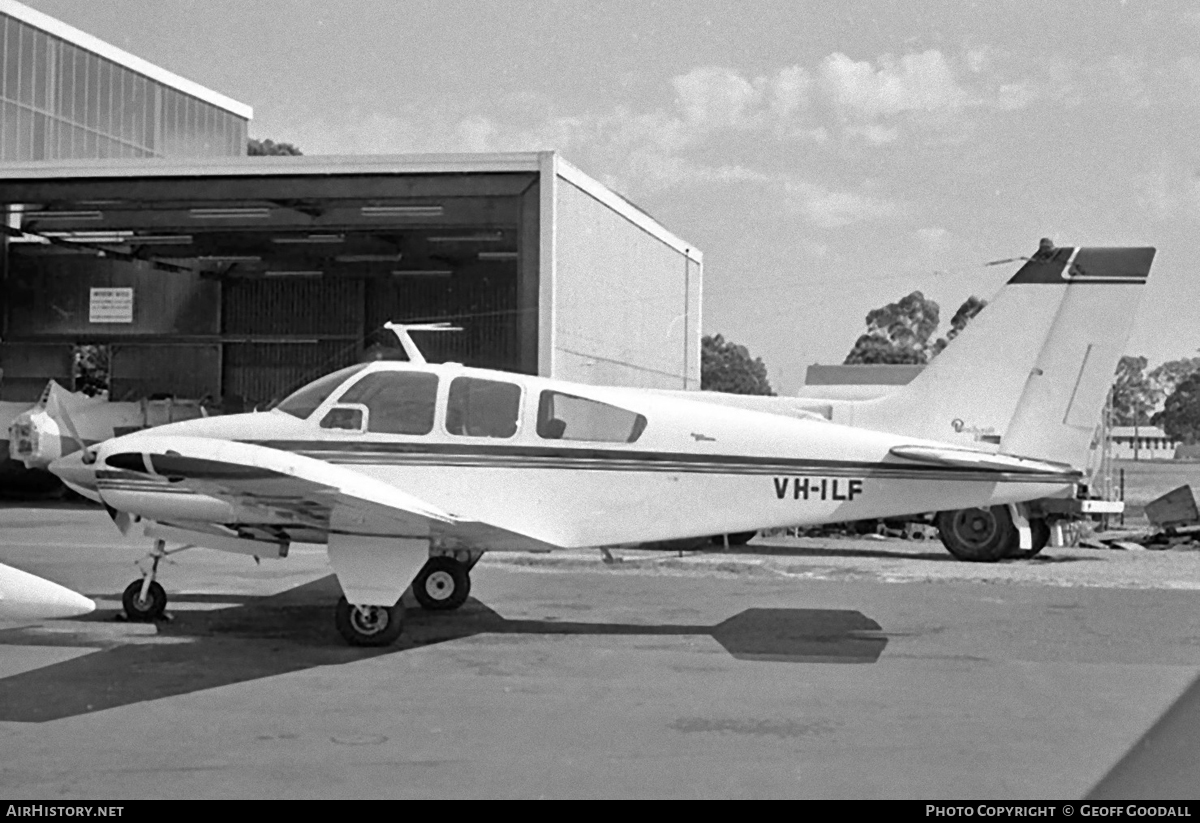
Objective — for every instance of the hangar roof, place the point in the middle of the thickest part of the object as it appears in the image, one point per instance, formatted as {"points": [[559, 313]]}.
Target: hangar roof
{"points": [[548, 163], [83, 40]]}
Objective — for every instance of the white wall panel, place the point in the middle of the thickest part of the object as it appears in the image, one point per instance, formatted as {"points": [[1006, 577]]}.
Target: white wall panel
{"points": [[626, 301]]}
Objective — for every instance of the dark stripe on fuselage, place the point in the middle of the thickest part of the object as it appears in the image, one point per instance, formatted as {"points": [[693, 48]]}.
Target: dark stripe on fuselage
{"points": [[508, 456], [552, 457]]}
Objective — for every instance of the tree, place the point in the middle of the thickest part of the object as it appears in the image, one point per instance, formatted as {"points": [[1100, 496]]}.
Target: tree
{"points": [[898, 332], [901, 332], [1133, 398], [1164, 378], [1180, 417], [727, 367], [265, 148], [966, 312], [91, 369]]}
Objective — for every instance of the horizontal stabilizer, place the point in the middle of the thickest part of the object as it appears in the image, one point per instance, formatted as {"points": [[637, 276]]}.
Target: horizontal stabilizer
{"points": [[968, 459]]}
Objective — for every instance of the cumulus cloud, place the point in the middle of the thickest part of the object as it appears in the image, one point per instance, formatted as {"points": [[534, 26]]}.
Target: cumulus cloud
{"points": [[713, 111], [712, 98], [830, 209], [914, 82], [1170, 191]]}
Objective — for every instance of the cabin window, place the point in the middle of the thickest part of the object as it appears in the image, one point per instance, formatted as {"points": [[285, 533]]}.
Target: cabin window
{"points": [[342, 417], [566, 417], [398, 402], [483, 408], [304, 402]]}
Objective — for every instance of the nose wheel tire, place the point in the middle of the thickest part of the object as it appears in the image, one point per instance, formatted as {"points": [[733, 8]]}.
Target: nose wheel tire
{"points": [[442, 584], [151, 608], [368, 625], [978, 535]]}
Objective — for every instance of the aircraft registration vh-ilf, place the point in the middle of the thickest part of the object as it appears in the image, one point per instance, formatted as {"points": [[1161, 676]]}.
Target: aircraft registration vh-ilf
{"points": [[409, 471]]}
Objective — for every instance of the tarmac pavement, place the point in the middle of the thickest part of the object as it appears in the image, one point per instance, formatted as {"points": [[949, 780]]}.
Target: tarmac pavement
{"points": [[792, 668]]}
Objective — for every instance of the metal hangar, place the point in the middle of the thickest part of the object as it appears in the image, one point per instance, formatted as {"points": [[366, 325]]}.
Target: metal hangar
{"points": [[236, 279]]}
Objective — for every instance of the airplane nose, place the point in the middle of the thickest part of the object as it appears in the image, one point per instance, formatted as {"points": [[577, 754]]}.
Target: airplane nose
{"points": [[78, 474]]}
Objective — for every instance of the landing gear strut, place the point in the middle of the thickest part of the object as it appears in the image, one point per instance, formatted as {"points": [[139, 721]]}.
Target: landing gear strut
{"points": [[443, 583], [145, 599]]}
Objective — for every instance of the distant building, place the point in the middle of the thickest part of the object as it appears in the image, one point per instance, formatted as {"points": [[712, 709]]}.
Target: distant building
{"points": [[856, 382], [1142, 443]]}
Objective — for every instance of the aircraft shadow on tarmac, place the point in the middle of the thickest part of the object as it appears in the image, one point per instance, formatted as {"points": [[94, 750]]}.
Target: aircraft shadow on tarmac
{"points": [[291, 631]]}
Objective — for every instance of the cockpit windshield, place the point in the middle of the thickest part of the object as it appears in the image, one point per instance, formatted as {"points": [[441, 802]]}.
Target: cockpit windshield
{"points": [[303, 402]]}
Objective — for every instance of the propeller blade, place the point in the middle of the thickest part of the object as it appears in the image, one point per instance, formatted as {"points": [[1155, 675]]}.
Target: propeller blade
{"points": [[59, 412]]}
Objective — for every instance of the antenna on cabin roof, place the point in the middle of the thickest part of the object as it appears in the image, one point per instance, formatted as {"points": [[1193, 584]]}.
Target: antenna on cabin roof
{"points": [[401, 330]]}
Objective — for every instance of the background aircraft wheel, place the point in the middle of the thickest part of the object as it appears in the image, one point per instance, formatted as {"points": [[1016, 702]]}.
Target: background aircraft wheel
{"points": [[151, 608], [442, 584], [977, 535], [1041, 537], [368, 625]]}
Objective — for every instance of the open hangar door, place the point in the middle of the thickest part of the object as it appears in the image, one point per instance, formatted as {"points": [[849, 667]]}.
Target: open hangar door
{"points": [[236, 288]]}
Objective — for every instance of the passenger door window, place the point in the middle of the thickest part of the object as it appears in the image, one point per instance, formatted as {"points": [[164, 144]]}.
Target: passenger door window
{"points": [[483, 408]]}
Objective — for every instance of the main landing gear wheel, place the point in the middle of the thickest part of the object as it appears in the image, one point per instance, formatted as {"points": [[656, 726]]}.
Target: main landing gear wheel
{"points": [[442, 584], [369, 625], [144, 609], [978, 535]]}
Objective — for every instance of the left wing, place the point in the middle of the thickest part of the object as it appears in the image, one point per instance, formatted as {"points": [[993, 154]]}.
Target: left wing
{"points": [[317, 494]]}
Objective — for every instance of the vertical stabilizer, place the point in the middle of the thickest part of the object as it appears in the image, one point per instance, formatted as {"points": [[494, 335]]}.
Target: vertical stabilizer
{"points": [[1065, 391], [1029, 374]]}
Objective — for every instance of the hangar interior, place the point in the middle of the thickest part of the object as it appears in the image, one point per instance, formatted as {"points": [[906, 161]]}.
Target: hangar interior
{"points": [[236, 281]]}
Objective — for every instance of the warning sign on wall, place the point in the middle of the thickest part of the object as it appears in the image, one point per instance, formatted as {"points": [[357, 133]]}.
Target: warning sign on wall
{"points": [[111, 305]]}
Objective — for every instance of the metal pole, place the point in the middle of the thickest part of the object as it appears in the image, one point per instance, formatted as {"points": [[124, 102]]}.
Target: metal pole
{"points": [[1122, 496]]}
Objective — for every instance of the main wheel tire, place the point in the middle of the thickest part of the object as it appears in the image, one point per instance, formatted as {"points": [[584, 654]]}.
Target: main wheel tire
{"points": [[151, 608], [369, 625], [977, 535], [1040, 534], [442, 584]]}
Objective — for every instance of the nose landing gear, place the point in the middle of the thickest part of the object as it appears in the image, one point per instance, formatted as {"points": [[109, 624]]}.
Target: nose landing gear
{"points": [[145, 599]]}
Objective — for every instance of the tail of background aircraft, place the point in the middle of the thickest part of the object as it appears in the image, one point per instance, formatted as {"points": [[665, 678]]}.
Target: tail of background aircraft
{"points": [[1029, 375]]}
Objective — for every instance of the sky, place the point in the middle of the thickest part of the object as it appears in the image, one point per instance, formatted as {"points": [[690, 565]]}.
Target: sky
{"points": [[828, 157]]}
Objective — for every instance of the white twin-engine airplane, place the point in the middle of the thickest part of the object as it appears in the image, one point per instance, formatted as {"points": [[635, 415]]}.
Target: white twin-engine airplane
{"points": [[410, 471]]}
